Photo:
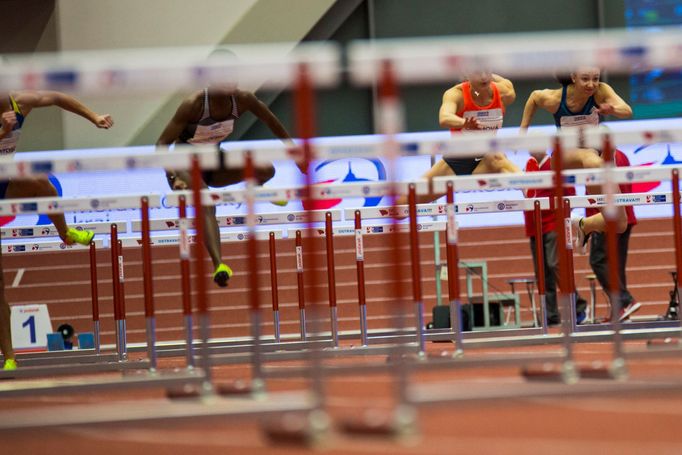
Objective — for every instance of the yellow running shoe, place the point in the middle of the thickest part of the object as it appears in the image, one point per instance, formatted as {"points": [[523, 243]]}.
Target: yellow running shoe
{"points": [[222, 275], [83, 237], [10, 365]]}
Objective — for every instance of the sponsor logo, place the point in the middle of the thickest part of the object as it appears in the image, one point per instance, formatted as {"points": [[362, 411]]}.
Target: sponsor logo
{"points": [[291, 217], [501, 206], [30, 206], [94, 203], [653, 198], [344, 170]]}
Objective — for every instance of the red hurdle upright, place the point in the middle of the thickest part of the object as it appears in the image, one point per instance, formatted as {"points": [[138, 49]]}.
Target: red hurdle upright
{"points": [[183, 225], [610, 212], [416, 268], [147, 283], [360, 267], [95, 296], [304, 106], [569, 264], [677, 228], [273, 285], [331, 277], [569, 371], [452, 254], [122, 298], [116, 292], [540, 263], [200, 269], [299, 285]]}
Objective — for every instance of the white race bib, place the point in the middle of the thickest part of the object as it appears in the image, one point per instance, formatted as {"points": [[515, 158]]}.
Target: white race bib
{"points": [[488, 119], [212, 134], [8, 145], [573, 121]]}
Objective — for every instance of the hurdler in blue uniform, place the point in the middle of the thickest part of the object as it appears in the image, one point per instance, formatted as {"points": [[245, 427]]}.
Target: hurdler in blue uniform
{"points": [[14, 108]]}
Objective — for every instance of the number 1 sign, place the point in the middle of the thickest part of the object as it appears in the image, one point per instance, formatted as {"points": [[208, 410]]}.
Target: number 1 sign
{"points": [[30, 326]]}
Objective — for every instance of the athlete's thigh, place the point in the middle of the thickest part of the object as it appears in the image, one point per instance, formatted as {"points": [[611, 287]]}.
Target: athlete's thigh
{"points": [[440, 169], [581, 159], [25, 187], [494, 163]]}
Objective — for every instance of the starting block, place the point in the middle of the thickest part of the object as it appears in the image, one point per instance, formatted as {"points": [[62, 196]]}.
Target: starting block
{"points": [[55, 342], [86, 340]]}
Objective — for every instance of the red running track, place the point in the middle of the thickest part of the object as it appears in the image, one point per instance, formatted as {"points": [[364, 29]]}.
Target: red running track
{"points": [[61, 280]]}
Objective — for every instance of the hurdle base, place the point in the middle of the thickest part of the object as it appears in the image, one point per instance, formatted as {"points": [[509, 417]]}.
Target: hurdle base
{"points": [[600, 370], [667, 342], [550, 372], [411, 357], [188, 391], [297, 429], [236, 388], [399, 423]]}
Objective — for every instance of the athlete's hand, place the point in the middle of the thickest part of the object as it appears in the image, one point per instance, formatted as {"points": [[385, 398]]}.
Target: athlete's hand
{"points": [[179, 184], [9, 121], [470, 123], [104, 121], [606, 109]]}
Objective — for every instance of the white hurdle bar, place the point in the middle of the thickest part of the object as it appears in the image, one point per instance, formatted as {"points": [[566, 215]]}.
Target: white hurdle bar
{"points": [[178, 158], [160, 70], [520, 55]]}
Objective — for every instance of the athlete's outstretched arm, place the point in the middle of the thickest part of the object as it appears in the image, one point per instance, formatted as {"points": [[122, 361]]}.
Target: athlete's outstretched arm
{"points": [[177, 124], [264, 114], [447, 115], [538, 99], [177, 180], [44, 98], [612, 104]]}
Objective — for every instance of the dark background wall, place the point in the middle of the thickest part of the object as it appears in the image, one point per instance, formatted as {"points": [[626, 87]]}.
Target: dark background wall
{"points": [[348, 110], [30, 26]]}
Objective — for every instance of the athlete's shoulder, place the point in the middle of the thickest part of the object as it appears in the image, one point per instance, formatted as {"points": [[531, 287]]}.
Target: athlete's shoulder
{"points": [[454, 91], [604, 90], [24, 97], [547, 98], [191, 106]]}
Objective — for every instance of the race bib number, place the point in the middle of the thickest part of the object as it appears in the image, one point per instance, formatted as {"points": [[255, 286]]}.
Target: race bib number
{"points": [[488, 119], [212, 134]]}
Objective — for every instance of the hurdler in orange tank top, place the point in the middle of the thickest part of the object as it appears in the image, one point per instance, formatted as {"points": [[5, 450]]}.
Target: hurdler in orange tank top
{"points": [[489, 117]]}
